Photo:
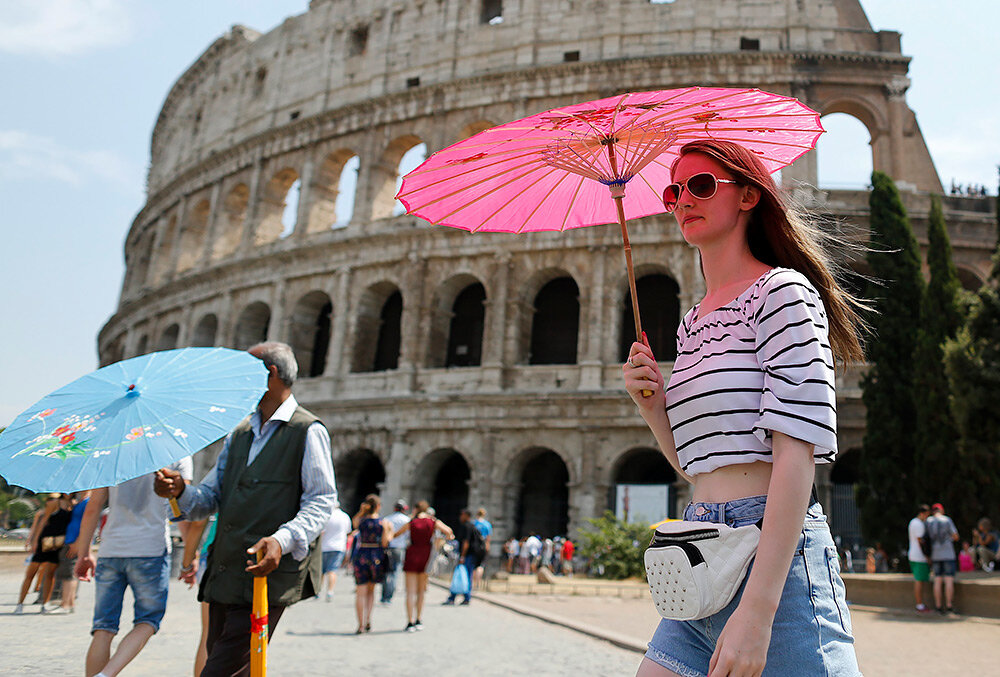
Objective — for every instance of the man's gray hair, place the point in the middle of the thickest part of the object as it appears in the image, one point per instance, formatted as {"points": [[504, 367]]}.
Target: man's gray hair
{"points": [[281, 356]]}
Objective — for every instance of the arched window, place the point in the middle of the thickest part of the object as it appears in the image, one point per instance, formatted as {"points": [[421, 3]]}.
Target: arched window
{"points": [[251, 327], [555, 323], [193, 237], [309, 333], [274, 205], [234, 212], [844, 153], [389, 333], [465, 336], [290, 215], [442, 478], [347, 188], [142, 345], [168, 339], [411, 159], [204, 331], [660, 312]]}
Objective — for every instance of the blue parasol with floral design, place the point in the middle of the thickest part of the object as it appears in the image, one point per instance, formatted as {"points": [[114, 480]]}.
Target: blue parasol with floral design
{"points": [[130, 418]]}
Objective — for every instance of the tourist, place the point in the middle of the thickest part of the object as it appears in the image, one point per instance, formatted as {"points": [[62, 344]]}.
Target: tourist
{"points": [[369, 558], [334, 546], [48, 533], [67, 556], [472, 550], [748, 412], [486, 530], [396, 550], [919, 555], [943, 535], [421, 529], [985, 543], [279, 496]]}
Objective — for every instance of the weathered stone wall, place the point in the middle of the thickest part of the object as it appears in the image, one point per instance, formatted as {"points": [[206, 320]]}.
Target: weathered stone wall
{"points": [[206, 263]]}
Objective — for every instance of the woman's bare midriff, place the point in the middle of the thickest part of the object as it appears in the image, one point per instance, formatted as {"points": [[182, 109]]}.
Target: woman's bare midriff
{"points": [[731, 482]]}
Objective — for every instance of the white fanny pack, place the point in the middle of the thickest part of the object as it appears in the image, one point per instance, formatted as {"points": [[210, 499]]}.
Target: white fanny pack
{"points": [[695, 568]]}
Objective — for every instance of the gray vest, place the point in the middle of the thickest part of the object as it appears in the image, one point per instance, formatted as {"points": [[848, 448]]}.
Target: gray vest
{"points": [[255, 501]]}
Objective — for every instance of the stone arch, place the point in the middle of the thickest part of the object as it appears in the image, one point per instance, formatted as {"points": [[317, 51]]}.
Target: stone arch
{"points": [[457, 319], [969, 278], [359, 472], [142, 345], [474, 128], [333, 190], [378, 330], [385, 175], [844, 157], [309, 332], [205, 331], [539, 499], [115, 351], [442, 479], [872, 117], [659, 310], [234, 212], [194, 236], [168, 339], [555, 322], [162, 255], [639, 479], [252, 325], [141, 256], [274, 201]]}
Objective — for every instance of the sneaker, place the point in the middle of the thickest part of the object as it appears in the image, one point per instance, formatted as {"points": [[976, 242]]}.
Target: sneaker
{"points": [[57, 610], [410, 627], [940, 611], [329, 598], [466, 601], [448, 602], [43, 610], [19, 609], [922, 609], [989, 566], [418, 625], [949, 611]]}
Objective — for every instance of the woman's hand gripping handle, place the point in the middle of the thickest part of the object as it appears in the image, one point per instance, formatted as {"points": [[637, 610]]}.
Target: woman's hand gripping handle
{"points": [[643, 379]]}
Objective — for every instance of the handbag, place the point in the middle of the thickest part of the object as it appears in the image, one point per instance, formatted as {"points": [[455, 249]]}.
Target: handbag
{"points": [[695, 568], [460, 581], [50, 543]]}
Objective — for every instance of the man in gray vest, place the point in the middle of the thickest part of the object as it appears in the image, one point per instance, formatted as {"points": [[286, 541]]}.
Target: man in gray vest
{"points": [[273, 487]]}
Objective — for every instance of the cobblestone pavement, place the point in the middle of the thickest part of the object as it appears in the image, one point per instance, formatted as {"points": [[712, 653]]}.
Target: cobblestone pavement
{"points": [[316, 638]]}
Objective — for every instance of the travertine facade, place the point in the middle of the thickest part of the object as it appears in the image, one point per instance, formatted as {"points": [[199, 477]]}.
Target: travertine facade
{"points": [[416, 343]]}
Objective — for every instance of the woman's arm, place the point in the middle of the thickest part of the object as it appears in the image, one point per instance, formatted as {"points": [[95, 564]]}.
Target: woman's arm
{"points": [[386, 532], [192, 547], [743, 643], [402, 530], [642, 373], [444, 529], [41, 519]]}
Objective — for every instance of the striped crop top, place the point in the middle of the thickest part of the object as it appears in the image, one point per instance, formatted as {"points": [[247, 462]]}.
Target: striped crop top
{"points": [[760, 363]]}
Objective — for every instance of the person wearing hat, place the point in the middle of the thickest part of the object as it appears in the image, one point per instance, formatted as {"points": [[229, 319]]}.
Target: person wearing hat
{"points": [[396, 550], [943, 535]]}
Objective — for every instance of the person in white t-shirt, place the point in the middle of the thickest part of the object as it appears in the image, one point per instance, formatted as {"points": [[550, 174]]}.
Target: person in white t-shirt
{"points": [[919, 566], [334, 545], [135, 553]]}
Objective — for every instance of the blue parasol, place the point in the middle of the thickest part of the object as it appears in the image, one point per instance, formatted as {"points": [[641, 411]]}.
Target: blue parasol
{"points": [[130, 418]]}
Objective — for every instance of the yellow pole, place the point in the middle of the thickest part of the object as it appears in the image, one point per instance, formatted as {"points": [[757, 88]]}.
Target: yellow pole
{"points": [[258, 626]]}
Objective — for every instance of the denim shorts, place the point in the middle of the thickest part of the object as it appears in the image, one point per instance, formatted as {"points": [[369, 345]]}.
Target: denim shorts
{"points": [[811, 633], [147, 576], [943, 567], [332, 559]]}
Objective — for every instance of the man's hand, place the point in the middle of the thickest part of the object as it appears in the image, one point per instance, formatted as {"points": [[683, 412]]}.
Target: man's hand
{"points": [[85, 566], [71, 551], [168, 483], [270, 556], [189, 574]]}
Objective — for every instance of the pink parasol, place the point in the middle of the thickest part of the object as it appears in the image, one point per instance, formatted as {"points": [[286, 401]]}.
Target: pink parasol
{"points": [[545, 172]]}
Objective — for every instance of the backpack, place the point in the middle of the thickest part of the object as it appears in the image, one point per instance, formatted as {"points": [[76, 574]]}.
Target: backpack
{"points": [[477, 544], [938, 531]]}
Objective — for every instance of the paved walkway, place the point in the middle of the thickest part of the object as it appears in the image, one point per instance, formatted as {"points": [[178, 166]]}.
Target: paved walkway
{"points": [[503, 634]]}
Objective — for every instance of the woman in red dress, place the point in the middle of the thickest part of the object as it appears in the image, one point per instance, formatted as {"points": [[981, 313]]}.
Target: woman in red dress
{"points": [[421, 528]]}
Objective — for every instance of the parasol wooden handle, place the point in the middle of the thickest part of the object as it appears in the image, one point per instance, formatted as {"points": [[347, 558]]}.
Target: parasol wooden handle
{"points": [[174, 508], [631, 277], [258, 625]]}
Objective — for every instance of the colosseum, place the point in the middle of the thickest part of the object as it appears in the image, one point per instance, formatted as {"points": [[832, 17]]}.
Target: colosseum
{"points": [[481, 369]]}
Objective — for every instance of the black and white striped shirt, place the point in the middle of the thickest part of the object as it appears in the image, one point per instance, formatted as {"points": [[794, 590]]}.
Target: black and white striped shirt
{"points": [[760, 363]]}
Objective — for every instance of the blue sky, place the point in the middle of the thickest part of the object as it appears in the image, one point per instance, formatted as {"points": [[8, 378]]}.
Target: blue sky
{"points": [[83, 81]]}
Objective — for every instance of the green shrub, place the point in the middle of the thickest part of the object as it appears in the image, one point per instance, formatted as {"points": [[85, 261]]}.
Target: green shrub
{"points": [[615, 548]]}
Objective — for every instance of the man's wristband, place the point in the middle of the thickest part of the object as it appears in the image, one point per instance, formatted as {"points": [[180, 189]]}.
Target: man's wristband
{"points": [[188, 568]]}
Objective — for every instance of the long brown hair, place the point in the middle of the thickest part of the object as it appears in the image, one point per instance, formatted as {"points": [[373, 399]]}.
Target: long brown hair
{"points": [[781, 236]]}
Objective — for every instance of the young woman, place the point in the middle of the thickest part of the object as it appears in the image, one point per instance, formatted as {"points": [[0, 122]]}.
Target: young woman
{"points": [[421, 527], [46, 540], [748, 412], [369, 558]]}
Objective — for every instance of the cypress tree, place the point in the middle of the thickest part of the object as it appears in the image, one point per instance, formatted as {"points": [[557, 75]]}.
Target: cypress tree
{"points": [[972, 362], [941, 318], [886, 490]]}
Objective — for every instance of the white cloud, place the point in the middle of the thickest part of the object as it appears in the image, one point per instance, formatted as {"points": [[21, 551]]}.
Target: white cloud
{"points": [[62, 27], [25, 156]]}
